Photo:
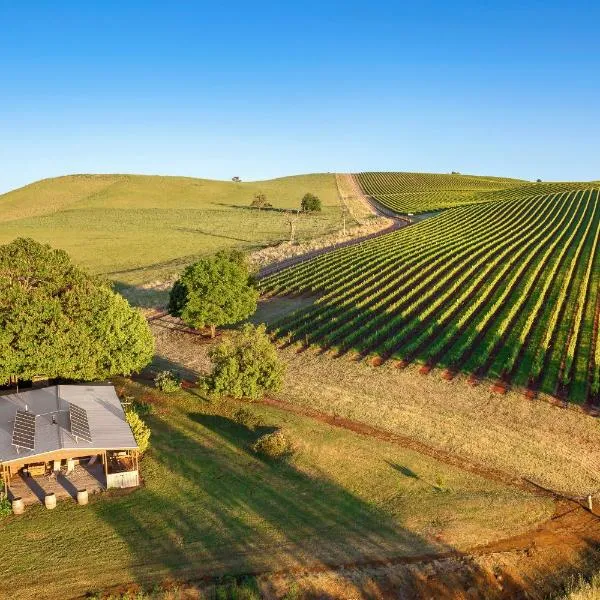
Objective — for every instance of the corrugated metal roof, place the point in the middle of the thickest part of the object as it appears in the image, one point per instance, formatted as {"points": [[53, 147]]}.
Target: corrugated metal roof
{"points": [[108, 426]]}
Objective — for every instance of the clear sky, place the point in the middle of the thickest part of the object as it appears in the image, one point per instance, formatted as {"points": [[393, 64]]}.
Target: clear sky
{"points": [[261, 89]]}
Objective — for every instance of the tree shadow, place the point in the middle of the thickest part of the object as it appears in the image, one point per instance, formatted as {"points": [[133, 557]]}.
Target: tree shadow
{"points": [[213, 234], [403, 470], [142, 297], [211, 507]]}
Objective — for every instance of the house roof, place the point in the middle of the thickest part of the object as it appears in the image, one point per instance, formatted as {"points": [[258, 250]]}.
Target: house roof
{"points": [[107, 424]]}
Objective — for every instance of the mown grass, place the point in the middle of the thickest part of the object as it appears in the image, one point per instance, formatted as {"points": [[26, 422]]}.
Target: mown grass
{"points": [[134, 228], [210, 507]]}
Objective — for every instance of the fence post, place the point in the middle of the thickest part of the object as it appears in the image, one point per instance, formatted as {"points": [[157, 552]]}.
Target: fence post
{"points": [[590, 505]]}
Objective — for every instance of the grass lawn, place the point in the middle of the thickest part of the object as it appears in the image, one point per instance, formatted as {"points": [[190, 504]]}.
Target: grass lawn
{"points": [[209, 506], [135, 229]]}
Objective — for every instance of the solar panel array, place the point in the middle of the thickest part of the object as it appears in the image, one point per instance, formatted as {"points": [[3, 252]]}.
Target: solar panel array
{"points": [[24, 430], [80, 427]]}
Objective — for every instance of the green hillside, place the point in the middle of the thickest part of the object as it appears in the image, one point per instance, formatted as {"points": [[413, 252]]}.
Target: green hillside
{"points": [[504, 289], [136, 228], [425, 192]]}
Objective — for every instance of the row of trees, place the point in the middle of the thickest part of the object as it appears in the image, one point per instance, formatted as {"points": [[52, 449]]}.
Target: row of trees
{"points": [[309, 202]]}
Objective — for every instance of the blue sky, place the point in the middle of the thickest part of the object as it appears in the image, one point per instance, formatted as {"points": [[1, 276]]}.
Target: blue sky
{"points": [[267, 89]]}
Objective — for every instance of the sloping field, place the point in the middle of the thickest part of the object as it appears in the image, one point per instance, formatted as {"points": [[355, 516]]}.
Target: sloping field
{"points": [[210, 506], [508, 290], [134, 228], [424, 192]]}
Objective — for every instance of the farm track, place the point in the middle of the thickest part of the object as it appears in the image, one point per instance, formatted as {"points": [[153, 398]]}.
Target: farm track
{"points": [[544, 550], [524, 566], [442, 456], [378, 210]]}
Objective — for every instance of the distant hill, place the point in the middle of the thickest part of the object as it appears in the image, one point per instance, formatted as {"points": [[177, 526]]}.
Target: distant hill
{"points": [[135, 228]]}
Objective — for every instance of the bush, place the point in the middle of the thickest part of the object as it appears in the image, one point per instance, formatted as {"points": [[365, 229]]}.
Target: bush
{"points": [[272, 445], [5, 504], [245, 365], [143, 409], [260, 201], [5, 508], [246, 417], [141, 431], [310, 203], [167, 381]]}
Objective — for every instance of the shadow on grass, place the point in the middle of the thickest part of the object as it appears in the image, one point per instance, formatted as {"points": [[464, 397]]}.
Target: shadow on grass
{"points": [[404, 470], [142, 297], [213, 234], [211, 508]]}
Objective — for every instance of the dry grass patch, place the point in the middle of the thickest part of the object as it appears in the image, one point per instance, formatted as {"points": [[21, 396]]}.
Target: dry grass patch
{"points": [[555, 447]]}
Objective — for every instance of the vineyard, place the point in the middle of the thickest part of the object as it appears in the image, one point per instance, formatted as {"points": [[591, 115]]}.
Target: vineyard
{"points": [[508, 290], [425, 192]]}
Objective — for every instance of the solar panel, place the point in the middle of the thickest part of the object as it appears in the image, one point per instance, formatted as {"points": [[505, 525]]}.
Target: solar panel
{"points": [[80, 428], [24, 430]]}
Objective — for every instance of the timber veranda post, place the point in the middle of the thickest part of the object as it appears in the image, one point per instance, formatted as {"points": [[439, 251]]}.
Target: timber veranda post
{"points": [[105, 461], [6, 479]]}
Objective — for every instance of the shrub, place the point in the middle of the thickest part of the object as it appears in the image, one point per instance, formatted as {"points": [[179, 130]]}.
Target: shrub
{"points": [[245, 365], [272, 445], [246, 417], [141, 431], [143, 409], [167, 381], [310, 203], [260, 201], [5, 508]]}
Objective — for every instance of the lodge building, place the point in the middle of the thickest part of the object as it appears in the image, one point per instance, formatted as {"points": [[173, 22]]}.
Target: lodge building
{"points": [[61, 438]]}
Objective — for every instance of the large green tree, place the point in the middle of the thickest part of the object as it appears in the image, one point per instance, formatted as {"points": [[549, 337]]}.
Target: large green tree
{"points": [[218, 290], [310, 203], [57, 321]]}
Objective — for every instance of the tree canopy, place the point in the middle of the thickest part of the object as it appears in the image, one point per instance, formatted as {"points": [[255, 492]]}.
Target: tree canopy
{"points": [[310, 203], [245, 365], [260, 201], [214, 291], [59, 322]]}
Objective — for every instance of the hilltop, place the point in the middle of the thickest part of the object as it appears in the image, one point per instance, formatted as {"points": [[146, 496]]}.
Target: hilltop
{"points": [[134, 228]]}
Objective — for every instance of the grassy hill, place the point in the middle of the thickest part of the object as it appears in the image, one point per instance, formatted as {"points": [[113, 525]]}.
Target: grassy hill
{"points": [[136, 228], [505, 289], [425, 192]]}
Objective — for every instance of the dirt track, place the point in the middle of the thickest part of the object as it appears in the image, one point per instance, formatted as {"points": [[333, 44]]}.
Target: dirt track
{"points": [[396, 222]]}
